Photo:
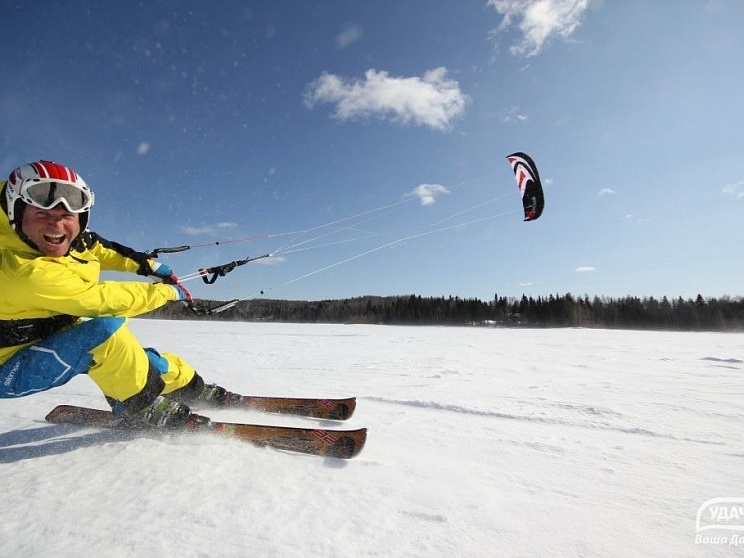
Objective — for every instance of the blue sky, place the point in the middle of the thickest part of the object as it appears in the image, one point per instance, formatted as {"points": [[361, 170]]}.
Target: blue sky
{"points": [[363, 144]]}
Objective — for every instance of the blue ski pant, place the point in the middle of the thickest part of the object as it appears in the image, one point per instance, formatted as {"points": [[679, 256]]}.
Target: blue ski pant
{"points": [[104, 349]]}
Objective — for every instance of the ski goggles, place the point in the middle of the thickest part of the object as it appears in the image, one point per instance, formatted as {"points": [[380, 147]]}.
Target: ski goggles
{"points": [[49, 194]]}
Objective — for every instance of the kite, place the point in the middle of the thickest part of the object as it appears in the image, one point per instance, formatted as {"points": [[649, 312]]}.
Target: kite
{"points": [[528, 180]]}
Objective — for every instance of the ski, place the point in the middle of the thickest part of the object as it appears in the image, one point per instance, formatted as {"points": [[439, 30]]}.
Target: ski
{"points": [[342, 444], [332, 409]]}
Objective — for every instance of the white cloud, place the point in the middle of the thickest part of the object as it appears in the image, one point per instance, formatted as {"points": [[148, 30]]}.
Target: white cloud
{"points": [[513, 114], [431, 100], [143, 148], [585, 269], [208, 229], [427, 193], [606, 192], [539, 21], [736, 189], [350, 35]]}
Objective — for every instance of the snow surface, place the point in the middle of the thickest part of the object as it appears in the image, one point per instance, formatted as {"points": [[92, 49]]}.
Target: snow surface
{"points": [[482, 442]]}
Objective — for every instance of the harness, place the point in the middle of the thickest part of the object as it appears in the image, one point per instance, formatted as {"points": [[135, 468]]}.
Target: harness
{"points": [[20, 332]]}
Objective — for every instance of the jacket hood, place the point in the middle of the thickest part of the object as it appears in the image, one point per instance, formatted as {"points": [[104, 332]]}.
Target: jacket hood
{"points": [[9, 239]]}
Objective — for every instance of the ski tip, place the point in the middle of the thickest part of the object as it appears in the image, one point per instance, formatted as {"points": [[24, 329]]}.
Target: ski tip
{"points": [[50, 415], [348, 446], [58, 413], [343, 410]]}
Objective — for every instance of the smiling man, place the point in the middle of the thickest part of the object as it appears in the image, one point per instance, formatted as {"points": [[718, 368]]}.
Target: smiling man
{"points": [[51, 230], [50, 279]]}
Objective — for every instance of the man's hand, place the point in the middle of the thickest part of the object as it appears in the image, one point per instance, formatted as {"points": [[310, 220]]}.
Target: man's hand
{"points": [[162, 272], [165, 274], [182, 292]]}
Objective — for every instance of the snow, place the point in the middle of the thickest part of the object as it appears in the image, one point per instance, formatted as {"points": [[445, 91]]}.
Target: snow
{"points": [[482, 442]]}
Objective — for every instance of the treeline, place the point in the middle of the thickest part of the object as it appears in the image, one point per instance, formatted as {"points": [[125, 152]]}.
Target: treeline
{"points": [[699, 314]]}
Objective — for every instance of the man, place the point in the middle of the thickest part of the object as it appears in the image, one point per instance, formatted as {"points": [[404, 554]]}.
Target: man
{"points": [[49, 279]]}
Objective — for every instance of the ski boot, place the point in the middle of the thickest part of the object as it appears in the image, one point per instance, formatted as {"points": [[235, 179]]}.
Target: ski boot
{"points": [[217, 396], [161, 413]]}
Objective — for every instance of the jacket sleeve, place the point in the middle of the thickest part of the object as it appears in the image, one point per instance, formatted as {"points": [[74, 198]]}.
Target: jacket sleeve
{"points": [[116, 257], [54, 287]]}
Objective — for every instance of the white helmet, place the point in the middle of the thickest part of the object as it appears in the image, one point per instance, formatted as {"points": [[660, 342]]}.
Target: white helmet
{"points": [[45, 184]]}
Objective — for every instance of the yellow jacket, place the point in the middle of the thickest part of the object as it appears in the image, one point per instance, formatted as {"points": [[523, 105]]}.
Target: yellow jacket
{"points": [[36, 286]]}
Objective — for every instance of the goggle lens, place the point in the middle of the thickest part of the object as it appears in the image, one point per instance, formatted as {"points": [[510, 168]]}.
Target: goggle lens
{"points": [[47, 195]]}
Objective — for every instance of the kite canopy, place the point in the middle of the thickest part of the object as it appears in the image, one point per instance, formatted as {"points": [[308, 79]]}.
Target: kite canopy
{"points": [[528, 181]]}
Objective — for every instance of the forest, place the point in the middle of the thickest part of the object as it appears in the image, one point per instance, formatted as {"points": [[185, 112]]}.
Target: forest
{"points": [[630, 312]]}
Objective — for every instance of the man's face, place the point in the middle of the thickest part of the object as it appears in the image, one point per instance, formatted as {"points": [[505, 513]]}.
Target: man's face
{"points": [[52, 230]]}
